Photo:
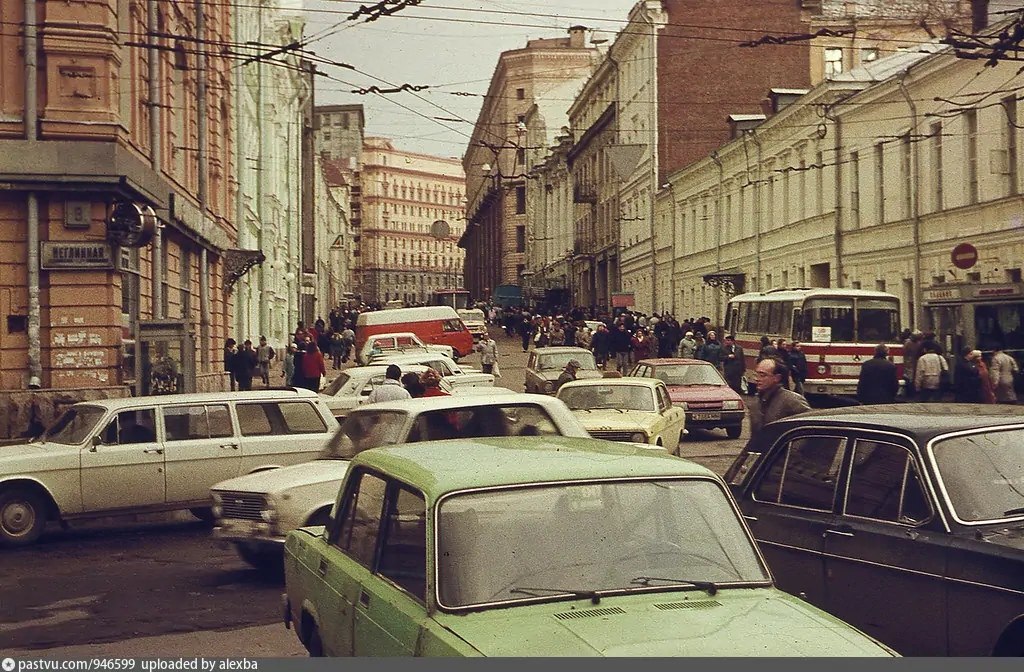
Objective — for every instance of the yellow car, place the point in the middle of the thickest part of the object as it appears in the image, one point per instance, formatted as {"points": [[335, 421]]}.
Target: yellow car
{"points": [[634, 410]]}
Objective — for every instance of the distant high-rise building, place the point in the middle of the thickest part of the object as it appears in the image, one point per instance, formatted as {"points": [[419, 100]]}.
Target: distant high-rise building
{"points": [[340, 134]]}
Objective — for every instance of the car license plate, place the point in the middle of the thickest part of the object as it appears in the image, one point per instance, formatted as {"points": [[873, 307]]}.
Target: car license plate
{"points": [[707, 416], [241, 528], [846, 369]]}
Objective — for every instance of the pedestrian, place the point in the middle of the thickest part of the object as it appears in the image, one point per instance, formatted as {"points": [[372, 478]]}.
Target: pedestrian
{"points": [[391, 389], [912, 351], [929, 374], [525, 330], [768, 349], [337, 349], [264, 355], [1003, 371], [488, 349], [641, 345], [601, 344], [733, 363], [230, 350], [411, 383], [711, 351], [348, 339], [987, 393], [966, 378], [797, 366], [776, 402], [288, 365], [688, 346], [245, 365], [878, 383], [570, 332], [431, 382], [568, 373], [621, 343], [313, 366], [557, 335]]}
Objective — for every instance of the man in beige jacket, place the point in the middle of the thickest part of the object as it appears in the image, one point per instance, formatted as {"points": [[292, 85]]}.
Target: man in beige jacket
{"points": [[1002, 370], [928, 375]]}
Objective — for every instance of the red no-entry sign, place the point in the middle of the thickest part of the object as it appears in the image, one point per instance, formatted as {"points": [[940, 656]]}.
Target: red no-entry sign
{"points": [[964, 256]]}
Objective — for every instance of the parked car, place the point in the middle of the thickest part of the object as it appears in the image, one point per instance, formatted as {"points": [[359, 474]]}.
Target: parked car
{"points": [[698, 388], [433, 324], [256, 512], [146, 454], [545, 365], [542, 546], [475, 321], [456, 374], [634, 410], [906, 521], [398, 343]]}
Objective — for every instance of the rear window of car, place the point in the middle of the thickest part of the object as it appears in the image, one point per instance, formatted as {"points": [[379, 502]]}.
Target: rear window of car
{"points": [[271, 418]]}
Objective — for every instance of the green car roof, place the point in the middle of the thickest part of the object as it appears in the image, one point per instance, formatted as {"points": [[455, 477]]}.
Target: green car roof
{"points": [[439, 467]]}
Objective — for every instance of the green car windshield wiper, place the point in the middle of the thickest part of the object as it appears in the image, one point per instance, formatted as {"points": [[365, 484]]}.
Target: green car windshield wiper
{"points": [[709, 586], [591, 595]]}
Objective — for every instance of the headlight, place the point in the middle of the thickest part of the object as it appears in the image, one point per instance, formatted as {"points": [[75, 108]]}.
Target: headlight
{"points": [[734, 405], [639, 437], [549, 386], [269, 512], [822, 369], [217, 510]]}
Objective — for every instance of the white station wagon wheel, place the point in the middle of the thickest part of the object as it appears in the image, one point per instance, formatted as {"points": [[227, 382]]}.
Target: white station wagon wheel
{"points": [[22, 517]]}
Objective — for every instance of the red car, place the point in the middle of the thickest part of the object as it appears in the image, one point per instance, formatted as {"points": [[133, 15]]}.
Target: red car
{"points": [[700, 389]]}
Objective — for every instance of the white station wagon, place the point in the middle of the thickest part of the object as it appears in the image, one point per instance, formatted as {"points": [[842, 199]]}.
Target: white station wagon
{"points": [[256, 512], [147, 454]]}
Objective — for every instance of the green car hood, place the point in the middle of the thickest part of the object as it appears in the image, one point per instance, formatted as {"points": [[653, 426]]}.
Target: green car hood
{"points": [[735, 622]]}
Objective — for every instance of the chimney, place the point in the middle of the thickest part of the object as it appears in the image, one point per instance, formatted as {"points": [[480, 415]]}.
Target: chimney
{"points": [[979, 15], [577, 37]]}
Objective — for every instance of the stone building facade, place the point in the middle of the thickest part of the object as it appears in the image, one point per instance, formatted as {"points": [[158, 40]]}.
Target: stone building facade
{"points": [[340, 133], [495, 163], [103, 110], [405, 257]]}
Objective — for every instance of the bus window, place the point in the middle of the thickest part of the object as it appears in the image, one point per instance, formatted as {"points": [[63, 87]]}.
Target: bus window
{"points": [[878, 321], [774, 317], [759, 318], [786, 320], [836, 313]]}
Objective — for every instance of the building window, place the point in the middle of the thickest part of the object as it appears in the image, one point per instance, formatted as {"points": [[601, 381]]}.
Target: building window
{"points": [[521, 158], [855, 189], [344, 121], [880, 181], [520, 94], [1012, 170], [521, 200], [937, 198], [971, 133], [869, 54], [833, 61], [520, 239]]}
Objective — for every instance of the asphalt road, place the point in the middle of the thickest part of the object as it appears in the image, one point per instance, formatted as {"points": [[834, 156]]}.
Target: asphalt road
{"points": [[157, 585]]}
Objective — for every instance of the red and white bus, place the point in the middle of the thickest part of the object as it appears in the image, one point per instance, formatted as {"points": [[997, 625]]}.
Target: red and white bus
{"points": [[838, 330], [456, 298]]}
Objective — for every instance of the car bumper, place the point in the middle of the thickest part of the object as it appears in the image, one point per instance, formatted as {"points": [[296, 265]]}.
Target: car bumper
{"points": [[251, 532], [713, 419]]}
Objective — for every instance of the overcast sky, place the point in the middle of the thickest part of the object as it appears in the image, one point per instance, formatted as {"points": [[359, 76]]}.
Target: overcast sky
{"points": [[449, 45]]}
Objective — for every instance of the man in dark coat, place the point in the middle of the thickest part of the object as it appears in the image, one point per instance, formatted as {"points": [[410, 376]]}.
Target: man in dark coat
{"points": [[878, 383], [733, 364]]}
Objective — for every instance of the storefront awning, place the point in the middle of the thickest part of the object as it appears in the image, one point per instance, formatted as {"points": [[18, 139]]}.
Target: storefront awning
{"points": [[732, 280], [237, 263]]}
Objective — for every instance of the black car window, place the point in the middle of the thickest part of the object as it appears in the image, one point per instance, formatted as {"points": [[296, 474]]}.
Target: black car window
{"points": [[403, 551], [360, 520], [884, 485], [804, 473]]}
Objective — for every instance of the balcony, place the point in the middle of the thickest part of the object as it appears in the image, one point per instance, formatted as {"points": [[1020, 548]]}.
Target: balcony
{"points": [[584, 192]]}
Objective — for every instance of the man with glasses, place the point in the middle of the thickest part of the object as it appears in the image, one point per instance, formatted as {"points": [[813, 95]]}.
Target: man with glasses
{"points": [[776, 402]]}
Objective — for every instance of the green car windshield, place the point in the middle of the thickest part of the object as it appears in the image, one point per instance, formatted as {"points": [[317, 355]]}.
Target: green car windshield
{"points": [[621, 397], [548, 542]]}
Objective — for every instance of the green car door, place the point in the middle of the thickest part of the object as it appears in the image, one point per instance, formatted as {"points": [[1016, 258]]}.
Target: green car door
{"points": [[391, 607]]}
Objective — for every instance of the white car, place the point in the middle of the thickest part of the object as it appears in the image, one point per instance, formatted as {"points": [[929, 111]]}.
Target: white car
{"points": [[457, 375], [475, 321], [147, 454], [632, 410], [353, 386], [396, 343], [256, 512]]}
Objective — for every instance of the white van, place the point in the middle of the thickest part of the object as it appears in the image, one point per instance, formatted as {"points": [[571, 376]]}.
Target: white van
{"points": [[147, 454]]}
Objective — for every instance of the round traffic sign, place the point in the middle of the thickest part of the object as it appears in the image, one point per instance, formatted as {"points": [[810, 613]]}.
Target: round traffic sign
{"points": [[964, 256]]}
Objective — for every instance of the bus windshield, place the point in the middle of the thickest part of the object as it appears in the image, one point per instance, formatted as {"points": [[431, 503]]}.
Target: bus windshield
{"points": [[866, 321]]}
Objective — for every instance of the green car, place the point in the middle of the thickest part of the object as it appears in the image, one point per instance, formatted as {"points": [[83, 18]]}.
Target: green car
{"points": [[542, 546]]}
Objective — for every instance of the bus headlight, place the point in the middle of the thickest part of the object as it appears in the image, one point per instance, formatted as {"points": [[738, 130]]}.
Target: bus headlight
{"points": [[822, 369]]}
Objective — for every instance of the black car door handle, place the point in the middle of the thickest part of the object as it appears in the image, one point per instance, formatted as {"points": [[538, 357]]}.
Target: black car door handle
{"points": [[364, 598], [841, 532]]}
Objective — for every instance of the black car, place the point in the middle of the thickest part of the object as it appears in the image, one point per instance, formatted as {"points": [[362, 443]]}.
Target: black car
{"points": [[906, 521]]}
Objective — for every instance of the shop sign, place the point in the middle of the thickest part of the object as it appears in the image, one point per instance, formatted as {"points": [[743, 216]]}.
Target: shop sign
{"points": [[964, 256], [996, 292], [623, 300], [60, 255], [821, 334], [943, 294]]}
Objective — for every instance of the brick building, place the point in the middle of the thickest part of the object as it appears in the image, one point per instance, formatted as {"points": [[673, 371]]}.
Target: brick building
{"points": [[496, 163], [101, 107]]}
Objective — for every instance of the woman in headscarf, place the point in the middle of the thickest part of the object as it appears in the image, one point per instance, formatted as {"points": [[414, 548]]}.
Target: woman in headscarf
{"points": [[431, 381]]}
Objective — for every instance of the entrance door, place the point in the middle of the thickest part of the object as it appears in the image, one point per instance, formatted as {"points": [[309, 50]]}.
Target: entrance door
{"points": [[126, 469]]}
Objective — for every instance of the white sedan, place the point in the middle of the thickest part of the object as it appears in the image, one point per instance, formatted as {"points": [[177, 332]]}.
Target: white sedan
{"points": [[455, 374], [632, 410]]}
